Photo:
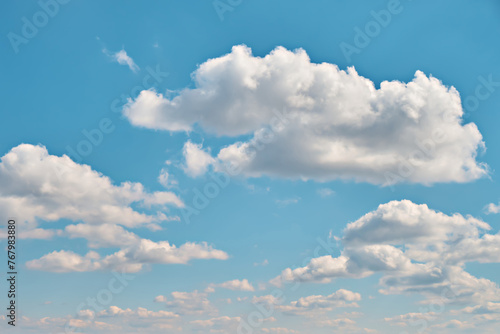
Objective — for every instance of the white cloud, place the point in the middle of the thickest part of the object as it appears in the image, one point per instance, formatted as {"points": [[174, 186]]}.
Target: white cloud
{"points": [[337, 124], [111, 320], [223, 324], [416, 249], [263, 263], [236, 285], [39, 233], [36, 187], [312, 306], [325, 192], [106, 235], [140, 312], [188, 303], [65, 261], [129, 259], [197, 160], [287, 201], [486, 308], [404, 320], [492, 208], [336, 323], [453, 324], [166, 180], [486, 312], [122, 58]]}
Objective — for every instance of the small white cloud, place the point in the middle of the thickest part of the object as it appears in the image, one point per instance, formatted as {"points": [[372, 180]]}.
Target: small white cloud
{"points": [[166, 179], [314, 305], [492, 208], [263, 263], [197, 160], [288, 201], [122, 58], [188, 303], [325, 192], [236, 285]]}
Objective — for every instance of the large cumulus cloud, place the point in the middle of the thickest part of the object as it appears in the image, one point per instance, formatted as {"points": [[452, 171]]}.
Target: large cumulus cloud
{"points": [[333, 123]]}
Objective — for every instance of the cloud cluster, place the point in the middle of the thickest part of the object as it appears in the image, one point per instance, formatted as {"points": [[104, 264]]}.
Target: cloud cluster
{"points": [[39, 188], [336, 124], [312, 306], [111, 320], [189, 303], [416, 249]]}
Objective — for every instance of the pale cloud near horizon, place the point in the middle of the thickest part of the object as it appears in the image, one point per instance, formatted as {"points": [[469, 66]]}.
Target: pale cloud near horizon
{"points": [[189, 303]]}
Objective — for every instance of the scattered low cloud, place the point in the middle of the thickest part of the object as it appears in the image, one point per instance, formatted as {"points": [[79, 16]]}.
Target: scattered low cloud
{"points": [[39, 188], [415, 249], [188, 303]]}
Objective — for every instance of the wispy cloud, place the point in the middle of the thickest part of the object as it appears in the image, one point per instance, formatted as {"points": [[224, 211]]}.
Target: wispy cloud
{"points": [[288, 201], [263, 263], [325, 192], [122, 58]]}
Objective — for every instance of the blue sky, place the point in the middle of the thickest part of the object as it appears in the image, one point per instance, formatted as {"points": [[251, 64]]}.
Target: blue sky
{"points": [[211, 78]]}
